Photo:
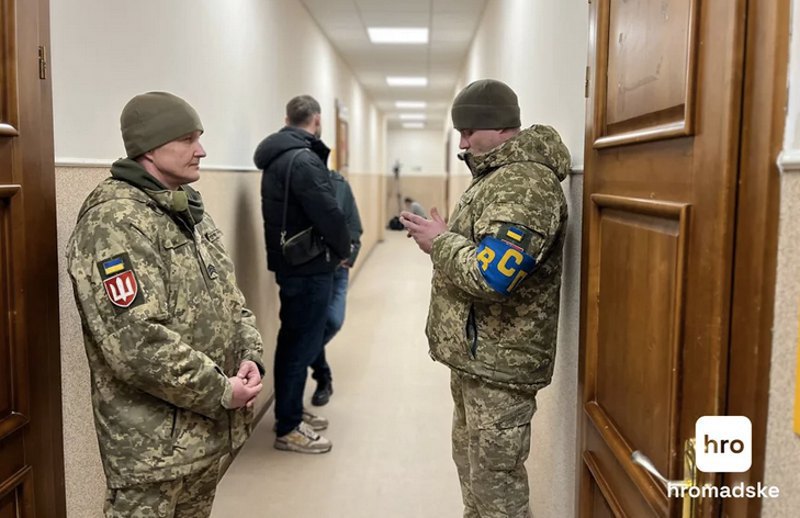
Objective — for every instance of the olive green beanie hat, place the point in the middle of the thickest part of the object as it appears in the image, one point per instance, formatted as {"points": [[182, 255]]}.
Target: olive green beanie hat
{"points": [[151, 120], [486, 104]]}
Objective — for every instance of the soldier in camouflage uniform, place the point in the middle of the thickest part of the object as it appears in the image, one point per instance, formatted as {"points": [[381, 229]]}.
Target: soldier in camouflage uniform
{"points": [[175, 356], [495, 292]]}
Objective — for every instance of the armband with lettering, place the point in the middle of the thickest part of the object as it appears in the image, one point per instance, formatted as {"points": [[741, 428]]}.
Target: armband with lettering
{"points": [[503, 263]]}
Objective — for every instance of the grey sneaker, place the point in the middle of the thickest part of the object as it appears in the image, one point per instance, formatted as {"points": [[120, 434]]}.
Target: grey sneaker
{"points": [[303, 440], [316, 422]]}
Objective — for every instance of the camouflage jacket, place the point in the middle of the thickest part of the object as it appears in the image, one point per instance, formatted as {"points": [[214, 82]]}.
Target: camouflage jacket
{"points": [[503, 337], [164, 326]]}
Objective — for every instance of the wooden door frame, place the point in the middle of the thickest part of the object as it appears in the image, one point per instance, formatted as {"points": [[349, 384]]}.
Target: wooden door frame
{"points": [[756, 236], [41, 303]]}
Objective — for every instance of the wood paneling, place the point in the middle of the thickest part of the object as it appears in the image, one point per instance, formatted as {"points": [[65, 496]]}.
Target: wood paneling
{"points": [[604, 502], [16, 495], [638, 285], [647, 51]]}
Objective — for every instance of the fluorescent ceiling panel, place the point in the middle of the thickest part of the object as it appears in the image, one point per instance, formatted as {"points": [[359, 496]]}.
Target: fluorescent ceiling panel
{"points": [[413, 125], [406, 81], [398, 35], [411, 105], [413, 116]]}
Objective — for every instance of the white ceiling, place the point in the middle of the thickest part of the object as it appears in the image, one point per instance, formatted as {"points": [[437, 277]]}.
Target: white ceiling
{"points": [[452, 24]]}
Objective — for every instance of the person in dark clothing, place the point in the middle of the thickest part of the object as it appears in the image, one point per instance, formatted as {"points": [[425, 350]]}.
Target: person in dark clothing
{"points": [[306, 288], [321, 371]]}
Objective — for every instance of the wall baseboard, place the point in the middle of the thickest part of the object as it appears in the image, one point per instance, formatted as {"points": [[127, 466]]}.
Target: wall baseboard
{"points": [[789, 161]]}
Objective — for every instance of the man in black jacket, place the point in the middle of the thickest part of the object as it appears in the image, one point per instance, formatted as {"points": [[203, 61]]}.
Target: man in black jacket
{"points": [[305, 288], [321, 371]]}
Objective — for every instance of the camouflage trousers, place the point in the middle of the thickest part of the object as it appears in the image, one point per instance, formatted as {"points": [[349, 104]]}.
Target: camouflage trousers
{"points": [[187, 497], [491, 441]]}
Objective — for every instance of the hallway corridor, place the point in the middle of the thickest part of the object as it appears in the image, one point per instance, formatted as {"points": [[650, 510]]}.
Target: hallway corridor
{"points": [[390, 414]]}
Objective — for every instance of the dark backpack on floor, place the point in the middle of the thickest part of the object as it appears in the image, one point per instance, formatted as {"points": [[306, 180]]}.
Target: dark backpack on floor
{"points": [[394, 224]]}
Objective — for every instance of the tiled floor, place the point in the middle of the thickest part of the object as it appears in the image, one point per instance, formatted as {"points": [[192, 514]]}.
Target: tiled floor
{"points": [[390, 415]]}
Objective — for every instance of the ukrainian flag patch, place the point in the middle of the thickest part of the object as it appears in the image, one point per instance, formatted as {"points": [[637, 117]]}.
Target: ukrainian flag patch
{"points": [[515, 236], [113, 266], [502, 264]]}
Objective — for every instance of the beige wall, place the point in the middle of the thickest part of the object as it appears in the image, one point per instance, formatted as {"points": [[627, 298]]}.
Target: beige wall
{"points": [[429, 190], [426, 189], [85, 483], [783, 445]]}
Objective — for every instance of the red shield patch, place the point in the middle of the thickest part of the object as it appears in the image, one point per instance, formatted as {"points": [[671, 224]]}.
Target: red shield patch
{"points": [[122, 289]]}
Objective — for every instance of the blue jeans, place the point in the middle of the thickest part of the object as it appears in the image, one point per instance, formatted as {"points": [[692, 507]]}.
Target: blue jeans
{"points": [[304, 313], [321, 369]]}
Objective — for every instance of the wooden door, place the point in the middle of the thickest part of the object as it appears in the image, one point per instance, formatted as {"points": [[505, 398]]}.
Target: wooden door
{"points": [[661, 162], [31, 456]]}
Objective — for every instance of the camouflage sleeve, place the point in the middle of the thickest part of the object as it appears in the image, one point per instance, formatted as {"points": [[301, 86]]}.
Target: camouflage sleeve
{"points": [[249, 340], [135, 344], [524, 217]]}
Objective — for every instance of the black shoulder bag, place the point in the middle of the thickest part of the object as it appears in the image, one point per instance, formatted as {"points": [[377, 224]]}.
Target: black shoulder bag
{"points": [[306, 245]]}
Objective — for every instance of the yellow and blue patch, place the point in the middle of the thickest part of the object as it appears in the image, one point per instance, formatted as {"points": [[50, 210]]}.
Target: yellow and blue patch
{"points": [[515, 236], [502, 264], [113, 266]]}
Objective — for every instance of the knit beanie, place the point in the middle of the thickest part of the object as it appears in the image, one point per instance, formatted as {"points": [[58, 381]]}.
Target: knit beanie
{"points": [[151, 120], [486, 104]]}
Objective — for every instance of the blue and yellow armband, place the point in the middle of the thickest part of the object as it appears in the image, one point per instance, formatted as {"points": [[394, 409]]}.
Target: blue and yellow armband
{"points": [[502, 264]]}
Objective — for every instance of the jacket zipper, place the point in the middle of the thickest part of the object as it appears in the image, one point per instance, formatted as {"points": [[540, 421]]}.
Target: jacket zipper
{"points": [[471, 331], [173, 434]]}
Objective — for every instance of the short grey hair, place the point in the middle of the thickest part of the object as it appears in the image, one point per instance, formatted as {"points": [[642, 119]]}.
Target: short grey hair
{"points": [[301, 109]]}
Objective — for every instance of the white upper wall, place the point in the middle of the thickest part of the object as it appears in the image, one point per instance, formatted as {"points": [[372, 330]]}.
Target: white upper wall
{"points": [[539, 49], [420, 152], [237, 63], [792, 134]]}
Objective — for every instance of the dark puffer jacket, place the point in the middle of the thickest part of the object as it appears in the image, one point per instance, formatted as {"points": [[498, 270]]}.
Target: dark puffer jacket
{"points": [[311, 201]]}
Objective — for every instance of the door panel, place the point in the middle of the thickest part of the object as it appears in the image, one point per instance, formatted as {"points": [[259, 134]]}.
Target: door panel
{"points": [[9, 108], [14, 389], [661, 148], [31, 455], [647, 50]]}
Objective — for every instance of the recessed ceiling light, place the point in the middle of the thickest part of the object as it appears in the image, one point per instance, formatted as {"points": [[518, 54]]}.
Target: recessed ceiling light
{"points": [[413, 125], [406, 81], [412, 105], [413, 116], [401, 35]]}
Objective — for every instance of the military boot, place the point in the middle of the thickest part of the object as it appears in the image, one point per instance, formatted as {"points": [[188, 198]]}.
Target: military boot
{"points": [[323, 393]]}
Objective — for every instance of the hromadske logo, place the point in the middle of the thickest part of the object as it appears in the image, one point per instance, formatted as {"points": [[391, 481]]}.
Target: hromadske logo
{"points": [[724, 444]]}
